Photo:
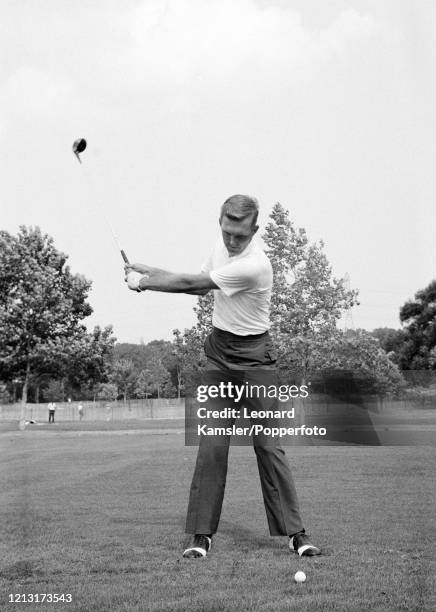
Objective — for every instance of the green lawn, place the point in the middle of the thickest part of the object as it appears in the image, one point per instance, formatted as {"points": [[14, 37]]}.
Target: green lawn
{"points": [[101, 516]]}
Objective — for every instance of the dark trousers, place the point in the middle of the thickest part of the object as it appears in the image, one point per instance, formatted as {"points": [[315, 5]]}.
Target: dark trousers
{"points": [[241, 360], [51, 414]]}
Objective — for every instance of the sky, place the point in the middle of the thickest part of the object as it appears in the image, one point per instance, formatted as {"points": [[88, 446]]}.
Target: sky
{"points": [[323, 106]]}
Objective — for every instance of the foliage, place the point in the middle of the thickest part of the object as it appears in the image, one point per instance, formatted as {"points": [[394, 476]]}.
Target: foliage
{"points": [[5, 395], [42, 305], [143, 354], [390, 340], [307, 301], [89, 362], [55, 391], [107, 392], [418, 351], [361, 353], [413, 348], [188, 346], [145, 370], [140, 354], [123, 375], [155, 379], [144, 385]]}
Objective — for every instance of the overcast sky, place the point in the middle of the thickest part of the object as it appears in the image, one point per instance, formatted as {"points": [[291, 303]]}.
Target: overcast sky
{"points": [[323, 106]]}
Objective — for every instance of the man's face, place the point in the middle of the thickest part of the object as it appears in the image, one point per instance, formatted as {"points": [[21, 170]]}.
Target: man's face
{"points": [[237, 234]]}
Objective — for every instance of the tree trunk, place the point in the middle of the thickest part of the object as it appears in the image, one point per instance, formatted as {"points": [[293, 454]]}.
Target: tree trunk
{"points": [[21, 424], [179, 382]]}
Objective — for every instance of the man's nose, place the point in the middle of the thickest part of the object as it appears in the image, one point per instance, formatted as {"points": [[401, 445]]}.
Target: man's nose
{"points": [[232, 241]]}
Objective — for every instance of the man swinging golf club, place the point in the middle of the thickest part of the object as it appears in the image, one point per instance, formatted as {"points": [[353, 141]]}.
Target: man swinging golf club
{"points": [[238, 349]]}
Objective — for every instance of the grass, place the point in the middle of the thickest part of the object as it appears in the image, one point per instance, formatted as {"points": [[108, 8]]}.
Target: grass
{"points": [[101, 516]]}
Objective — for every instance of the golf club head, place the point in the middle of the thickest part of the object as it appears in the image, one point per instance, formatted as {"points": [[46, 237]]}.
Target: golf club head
{"points": [[79, 146]]}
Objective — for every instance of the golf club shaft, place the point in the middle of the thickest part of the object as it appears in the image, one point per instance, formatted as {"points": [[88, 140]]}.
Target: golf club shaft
{"points": [[101, 212]]}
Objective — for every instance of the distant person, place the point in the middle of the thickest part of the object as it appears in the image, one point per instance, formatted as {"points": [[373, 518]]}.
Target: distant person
{"points": [[51, 412], [80, 411]]}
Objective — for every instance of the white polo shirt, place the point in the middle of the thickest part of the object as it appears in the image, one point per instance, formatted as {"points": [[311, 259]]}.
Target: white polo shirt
{"points": [[241, 306]]}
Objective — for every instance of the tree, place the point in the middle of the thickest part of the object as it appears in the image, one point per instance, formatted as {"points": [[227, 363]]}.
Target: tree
{"points": [[419, 318], [154, 379], [55, 391], [89, 361], [144, 385], [42, 305], [139, 354], [142, 354], [188, 346], [358, 351], [391, 341], [107, 392], [306, 305], [307, 301], [123, 375]]}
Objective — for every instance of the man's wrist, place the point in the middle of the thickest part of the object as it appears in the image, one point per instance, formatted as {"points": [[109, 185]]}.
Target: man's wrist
{"points": [[133, 280]]}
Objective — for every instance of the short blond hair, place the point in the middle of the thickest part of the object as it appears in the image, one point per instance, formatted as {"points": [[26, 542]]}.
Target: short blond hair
{"points": [[239, 207]]}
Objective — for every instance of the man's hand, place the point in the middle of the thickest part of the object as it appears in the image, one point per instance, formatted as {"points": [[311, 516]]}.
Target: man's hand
{"points": [[132, 279], [137, 267], [152, 278]]}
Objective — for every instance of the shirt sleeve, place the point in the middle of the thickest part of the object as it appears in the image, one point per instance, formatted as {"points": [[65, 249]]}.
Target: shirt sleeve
{"points": [[235, 276], [207, 264]]}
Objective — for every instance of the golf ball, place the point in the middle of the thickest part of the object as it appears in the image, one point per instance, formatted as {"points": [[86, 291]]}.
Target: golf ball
{"points": [[300, 577]]}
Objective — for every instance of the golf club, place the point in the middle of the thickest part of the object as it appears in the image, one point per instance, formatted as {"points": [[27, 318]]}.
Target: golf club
{"points": [[79, 146]]}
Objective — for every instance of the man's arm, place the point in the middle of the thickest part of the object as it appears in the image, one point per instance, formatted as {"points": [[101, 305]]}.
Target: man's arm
{"points": [[198, 292], [155, 279]]}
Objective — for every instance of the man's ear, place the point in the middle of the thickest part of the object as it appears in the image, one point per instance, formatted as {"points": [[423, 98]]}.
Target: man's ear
{"points": [[255, 228]]}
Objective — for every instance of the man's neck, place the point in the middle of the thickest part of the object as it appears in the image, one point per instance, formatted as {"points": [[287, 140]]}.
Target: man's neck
{"points": [[244, 250]]}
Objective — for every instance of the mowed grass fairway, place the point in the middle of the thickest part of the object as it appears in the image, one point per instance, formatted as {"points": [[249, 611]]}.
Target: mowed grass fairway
{"points": [[101, 515]]}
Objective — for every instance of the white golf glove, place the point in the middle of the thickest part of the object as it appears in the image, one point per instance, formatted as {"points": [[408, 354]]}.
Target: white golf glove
{"points": [[132, 280]]}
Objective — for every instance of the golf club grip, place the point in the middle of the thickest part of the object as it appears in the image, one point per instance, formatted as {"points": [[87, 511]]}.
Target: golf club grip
{"points": [[124, 256]]}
